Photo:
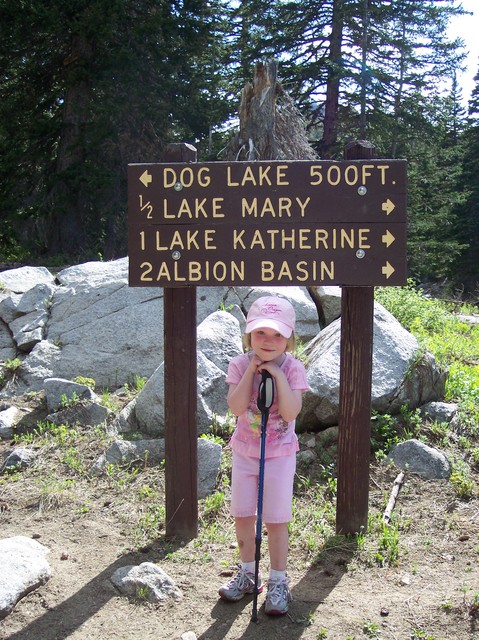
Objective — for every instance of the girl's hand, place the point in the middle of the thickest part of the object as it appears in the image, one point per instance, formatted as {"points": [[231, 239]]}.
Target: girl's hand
{"points": [[255, 364], [270, 366], [289, 400]]}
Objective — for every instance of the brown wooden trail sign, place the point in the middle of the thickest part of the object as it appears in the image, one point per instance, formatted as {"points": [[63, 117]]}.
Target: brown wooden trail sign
{"points": [[352, 214], [267, 223]]}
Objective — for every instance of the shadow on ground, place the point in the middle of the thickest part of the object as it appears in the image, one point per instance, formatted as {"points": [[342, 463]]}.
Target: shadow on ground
{"points": [[61, 621], [308, 594]]}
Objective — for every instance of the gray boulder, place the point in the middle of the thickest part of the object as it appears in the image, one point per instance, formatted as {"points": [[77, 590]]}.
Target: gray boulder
{"points": [[19, 458], [417, 457], [24, 278], [399, 376], [126, 451], [85, 413], [153, 452], [92, 274], [8, 349], [442, 412], [9, 416], [147, 581], [24, 568], [59, 391], [218, 340], [108, 332], [35, 368]]}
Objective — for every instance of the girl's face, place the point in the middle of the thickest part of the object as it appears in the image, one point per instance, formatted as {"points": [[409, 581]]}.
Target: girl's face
{"points": [[268, 344]]}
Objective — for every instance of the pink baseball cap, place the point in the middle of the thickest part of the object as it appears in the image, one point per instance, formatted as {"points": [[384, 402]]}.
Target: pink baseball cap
{"points": [[271, 312]]}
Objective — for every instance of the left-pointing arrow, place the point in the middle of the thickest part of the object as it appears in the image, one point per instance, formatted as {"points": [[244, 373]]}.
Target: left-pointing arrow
{"points": [[388, 206], [146, 178], [388, 270], [388, 238]]}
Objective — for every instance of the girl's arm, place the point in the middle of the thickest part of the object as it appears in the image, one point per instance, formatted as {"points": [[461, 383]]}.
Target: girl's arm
{"points": [[239, 394]]}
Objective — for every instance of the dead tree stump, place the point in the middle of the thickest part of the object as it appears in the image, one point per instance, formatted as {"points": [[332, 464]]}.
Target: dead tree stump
{"points": [[271, 127]]}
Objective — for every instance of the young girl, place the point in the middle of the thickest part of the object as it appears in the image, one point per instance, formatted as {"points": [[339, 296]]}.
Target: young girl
{"points": [[269, 336]]}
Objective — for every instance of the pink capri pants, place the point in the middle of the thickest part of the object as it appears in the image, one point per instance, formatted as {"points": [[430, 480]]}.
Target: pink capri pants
{"points": [[278, 487]]}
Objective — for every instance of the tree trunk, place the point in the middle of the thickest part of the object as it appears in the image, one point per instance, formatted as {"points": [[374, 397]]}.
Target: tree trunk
{"points": [[271, 127], [66, 224], [330, 132]]}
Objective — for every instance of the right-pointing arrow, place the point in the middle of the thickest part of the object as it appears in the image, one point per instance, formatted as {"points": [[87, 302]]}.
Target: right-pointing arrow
{"points": [[388, 206], [388, 238], [388, 270]]}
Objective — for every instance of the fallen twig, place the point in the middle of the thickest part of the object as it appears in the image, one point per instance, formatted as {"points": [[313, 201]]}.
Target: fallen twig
{"points": [[392, 498]]}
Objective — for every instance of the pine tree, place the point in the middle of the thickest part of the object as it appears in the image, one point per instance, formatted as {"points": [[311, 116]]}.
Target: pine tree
{"points": [[467, 211], [88, 87]]}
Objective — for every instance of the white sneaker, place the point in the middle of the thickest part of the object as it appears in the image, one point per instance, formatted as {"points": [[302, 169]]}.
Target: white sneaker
{"points": [[278, 597], [239, 586]]}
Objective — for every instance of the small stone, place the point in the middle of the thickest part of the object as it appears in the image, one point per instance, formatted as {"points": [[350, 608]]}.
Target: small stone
{"points": [[64, 555]]}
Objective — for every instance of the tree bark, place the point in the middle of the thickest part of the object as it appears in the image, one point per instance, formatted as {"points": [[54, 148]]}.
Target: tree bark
{"points": [[271, 127], [330, 132], [66, 226]]}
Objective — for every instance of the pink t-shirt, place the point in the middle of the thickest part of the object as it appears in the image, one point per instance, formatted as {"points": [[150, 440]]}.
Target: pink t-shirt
{"points": [[281, 439]]}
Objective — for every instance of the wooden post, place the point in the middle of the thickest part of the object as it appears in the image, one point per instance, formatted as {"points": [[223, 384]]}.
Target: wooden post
{"points": [[354, 445], [181, 438]]}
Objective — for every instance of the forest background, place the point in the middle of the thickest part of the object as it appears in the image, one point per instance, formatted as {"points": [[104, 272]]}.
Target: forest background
{"points": [[88, 86]]}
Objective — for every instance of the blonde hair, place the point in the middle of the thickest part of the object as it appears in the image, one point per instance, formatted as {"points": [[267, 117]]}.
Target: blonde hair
{"points": [[290, 344]]}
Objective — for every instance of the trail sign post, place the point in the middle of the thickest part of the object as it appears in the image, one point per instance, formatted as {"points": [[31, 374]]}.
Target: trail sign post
{"points": [[269, 223]]}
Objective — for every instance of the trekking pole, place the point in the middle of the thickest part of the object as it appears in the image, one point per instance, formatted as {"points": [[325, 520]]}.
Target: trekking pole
{"points": [[264, 402]]}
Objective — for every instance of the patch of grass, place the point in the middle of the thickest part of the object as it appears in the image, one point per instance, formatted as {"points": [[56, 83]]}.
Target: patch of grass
{"points": [[139, 382], [108, 401], [419, 634], [73, 460], [87, 382], [314, 516], [461, 480], [150, 525], [12, 366], [134, 387], [384, 434], [120, 476], [145, 492], [142, 593], [371, 629], [379, 545], [10, 369], [47, 433], [69, 401], [213, 505], [55, 493], [454, 344]]}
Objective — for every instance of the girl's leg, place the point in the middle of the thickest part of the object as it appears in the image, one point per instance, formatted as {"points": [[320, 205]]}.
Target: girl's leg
{"points": [[278, 545], [245, 535], [279, 595], [243, 582]]}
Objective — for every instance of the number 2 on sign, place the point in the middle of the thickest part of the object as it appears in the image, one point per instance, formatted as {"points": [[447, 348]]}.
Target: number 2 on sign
{"points": [[148, 206]]}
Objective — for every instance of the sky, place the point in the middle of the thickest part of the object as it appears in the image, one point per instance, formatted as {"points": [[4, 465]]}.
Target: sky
{"points": [[467, 28]]}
